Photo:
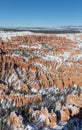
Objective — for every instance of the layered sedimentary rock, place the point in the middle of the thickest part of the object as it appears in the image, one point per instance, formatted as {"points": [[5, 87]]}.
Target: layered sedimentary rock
{"points": [[40, 82]]}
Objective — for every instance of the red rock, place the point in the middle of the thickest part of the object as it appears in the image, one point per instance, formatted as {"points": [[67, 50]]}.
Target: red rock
{"points": [[73, 100], [65, 115], [25, 68]]}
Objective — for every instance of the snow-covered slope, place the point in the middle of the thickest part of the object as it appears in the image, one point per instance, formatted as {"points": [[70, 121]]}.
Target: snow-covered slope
{"points": [[7, 35]]}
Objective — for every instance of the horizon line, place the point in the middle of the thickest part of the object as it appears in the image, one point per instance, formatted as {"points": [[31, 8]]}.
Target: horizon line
{"points": [[40, 26]]}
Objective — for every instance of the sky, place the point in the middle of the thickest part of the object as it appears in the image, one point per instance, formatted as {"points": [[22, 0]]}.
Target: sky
{"points": [[40, 13]]}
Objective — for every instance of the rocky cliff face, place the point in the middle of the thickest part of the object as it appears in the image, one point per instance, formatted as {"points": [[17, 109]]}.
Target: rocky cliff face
{"points": [[41, 82]]}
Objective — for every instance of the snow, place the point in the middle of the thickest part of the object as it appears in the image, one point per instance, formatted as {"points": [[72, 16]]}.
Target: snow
{"points": [[18, 87], [49, 57], [41, 65], [12, 78], [60, 126], [42, 118], [9, 35], [34, 90], [25, 58], [66, 55], [69, 64], [15, 55], [79, 45], [32, 47], [73, 108], [71, 36], [78, 57], [29, 128]]}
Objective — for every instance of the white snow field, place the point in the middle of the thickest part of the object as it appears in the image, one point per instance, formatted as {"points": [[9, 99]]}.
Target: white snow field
{"points": [[7, 35]]}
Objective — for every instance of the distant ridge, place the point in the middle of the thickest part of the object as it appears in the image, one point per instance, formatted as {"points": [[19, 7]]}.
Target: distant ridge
{"points": [[57, 29]]}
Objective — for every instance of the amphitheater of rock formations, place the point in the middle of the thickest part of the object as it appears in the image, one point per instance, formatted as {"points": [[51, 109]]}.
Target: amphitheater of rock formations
{"points": [[40, 81]]}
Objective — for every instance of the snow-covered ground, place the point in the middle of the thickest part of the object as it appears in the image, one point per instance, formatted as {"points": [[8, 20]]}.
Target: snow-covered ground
{"points": [[8, 35], [71, 36]]}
